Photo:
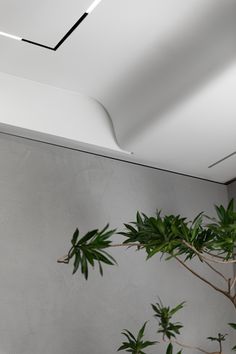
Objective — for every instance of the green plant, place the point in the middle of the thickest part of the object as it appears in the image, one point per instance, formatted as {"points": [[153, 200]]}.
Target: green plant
{"points": [[169, 331], [90, 249], [164, 315], [170, 235], [135, 345], [209, 240], [220, 338]]}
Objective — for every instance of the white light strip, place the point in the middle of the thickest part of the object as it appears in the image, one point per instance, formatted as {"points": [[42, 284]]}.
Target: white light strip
{"points": [[92, 6], [10, 36]]}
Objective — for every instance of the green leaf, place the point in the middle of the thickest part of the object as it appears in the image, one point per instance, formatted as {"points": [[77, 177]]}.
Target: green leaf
{"points": [[100, 268], [88, 236], [141, 332], [135, 344], [75, 237], [169, 349], [233, 325], [177, 308]]}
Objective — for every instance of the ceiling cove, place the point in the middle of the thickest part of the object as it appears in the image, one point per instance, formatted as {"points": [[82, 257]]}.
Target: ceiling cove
{"points": [[64, 38]]}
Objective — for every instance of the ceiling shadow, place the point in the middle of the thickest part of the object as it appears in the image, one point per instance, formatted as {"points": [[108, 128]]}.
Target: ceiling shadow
{"points": [[174, 70]]}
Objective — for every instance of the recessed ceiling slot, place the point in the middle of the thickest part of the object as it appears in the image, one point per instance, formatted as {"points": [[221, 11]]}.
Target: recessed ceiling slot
{"points": [[223, 159], [94, 4]]}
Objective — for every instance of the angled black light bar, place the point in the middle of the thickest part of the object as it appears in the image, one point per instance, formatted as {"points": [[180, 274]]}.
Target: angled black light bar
{"points": [[80, 20]]}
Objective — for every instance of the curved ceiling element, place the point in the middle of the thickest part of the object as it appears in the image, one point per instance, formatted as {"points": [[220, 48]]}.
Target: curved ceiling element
{"points": [[38, 108], [64, 38]]}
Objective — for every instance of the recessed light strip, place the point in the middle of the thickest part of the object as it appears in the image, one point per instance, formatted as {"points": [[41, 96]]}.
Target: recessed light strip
{"points": [[4, 34], [80, 20], [93, 6]]}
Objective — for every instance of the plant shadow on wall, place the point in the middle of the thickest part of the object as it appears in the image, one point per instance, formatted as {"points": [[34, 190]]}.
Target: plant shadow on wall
{"points": [[210, 240]]}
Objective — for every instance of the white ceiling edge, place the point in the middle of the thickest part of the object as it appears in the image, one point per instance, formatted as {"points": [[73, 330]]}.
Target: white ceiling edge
{"points": [[39, 108], [66, 119], [12, 132]]}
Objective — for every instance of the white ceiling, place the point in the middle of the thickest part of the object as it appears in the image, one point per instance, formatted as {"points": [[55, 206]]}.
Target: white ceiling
{"points": [[164, 69]]}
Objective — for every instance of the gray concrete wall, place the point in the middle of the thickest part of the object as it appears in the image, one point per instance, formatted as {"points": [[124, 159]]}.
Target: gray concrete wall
{"points": [[45, 192], [232, 194], [232, 190]]}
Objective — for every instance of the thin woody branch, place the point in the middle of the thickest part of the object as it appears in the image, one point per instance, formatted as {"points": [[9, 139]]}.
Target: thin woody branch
{"points": [[212, 259], [204, 280], [65, 259], [233, 283], [190, 347], [216, 271]]}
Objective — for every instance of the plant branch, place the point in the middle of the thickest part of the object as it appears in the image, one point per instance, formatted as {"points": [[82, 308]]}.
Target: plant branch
{"points": [[65, 259], [216, 271], [201, 255], [128, 245], [220, 344], [213, 255], [190, 347], [204, 280], [233, 283]]}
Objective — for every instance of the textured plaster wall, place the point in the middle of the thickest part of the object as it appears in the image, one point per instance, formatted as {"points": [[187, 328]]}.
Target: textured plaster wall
{"points": [[232, 194], [232, 190], [45, 192]]}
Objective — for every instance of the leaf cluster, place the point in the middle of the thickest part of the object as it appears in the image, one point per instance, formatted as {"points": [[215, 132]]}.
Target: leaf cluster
{"points": [[135, 345], [219, 339], [168, 329], [164, 315], [90, 249], [169, 235], [224, 229], [174, 235], [156, 234]]}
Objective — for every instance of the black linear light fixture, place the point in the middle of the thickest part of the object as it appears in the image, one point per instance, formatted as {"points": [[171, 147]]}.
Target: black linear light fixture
{"points": [[80, 20]]}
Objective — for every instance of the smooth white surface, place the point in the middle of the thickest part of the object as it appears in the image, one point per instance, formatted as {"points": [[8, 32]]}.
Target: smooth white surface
{"points": [[152, 66], [37, 107]]}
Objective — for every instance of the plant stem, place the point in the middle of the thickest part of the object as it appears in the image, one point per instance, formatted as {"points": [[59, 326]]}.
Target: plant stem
{"points": [[127, 245], [201, 255], [220, 344], [205, 280], [216, 271], [213, 255], [65, 259], [233, 283], [190, 347]]}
